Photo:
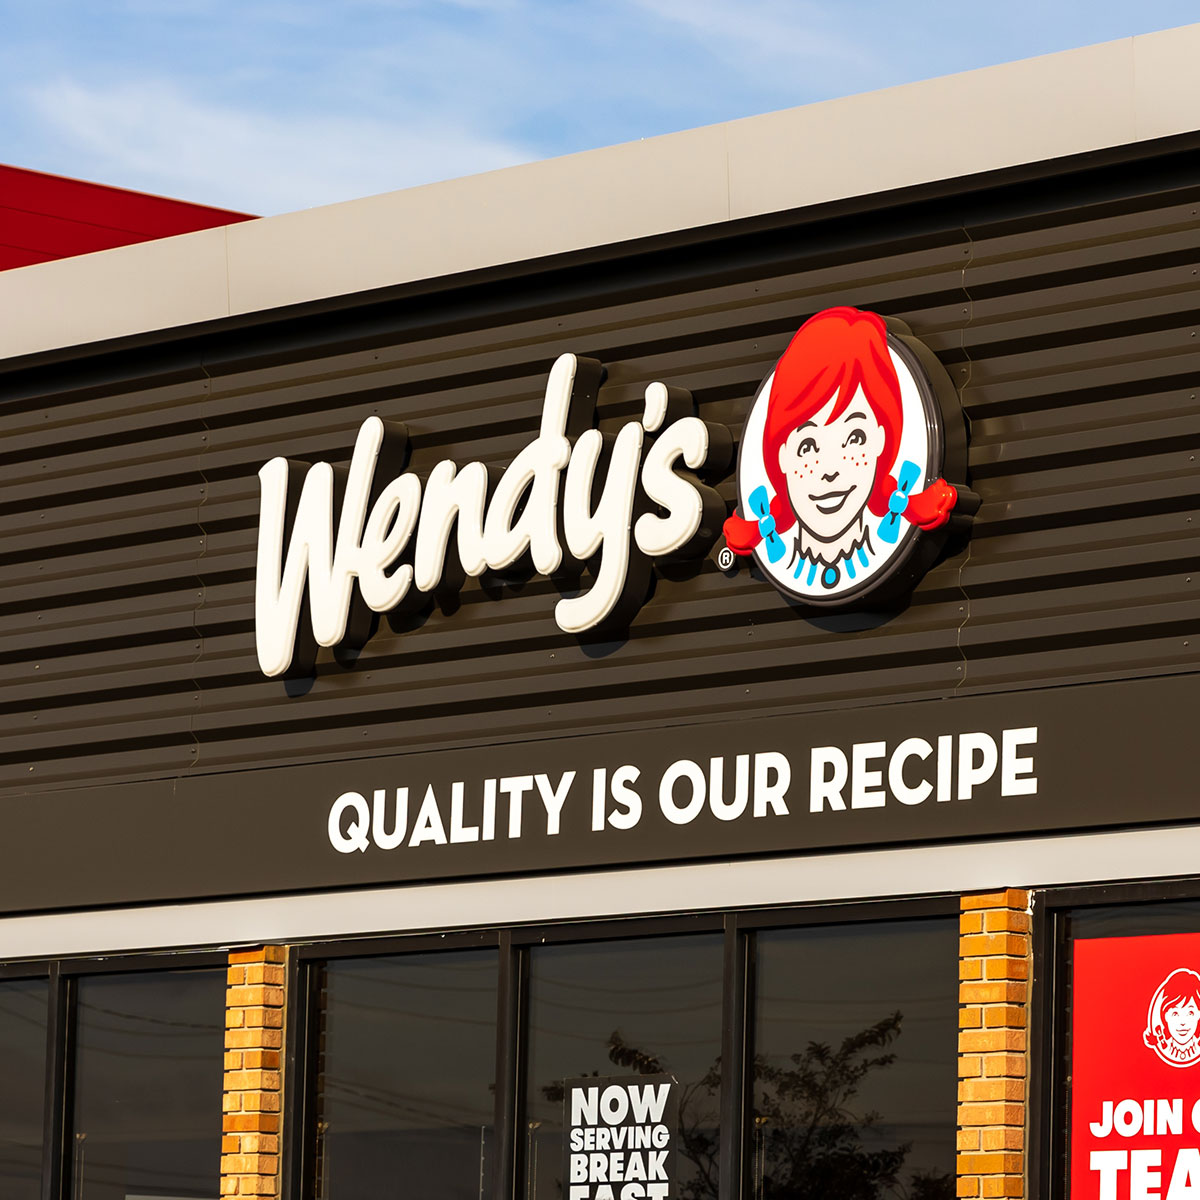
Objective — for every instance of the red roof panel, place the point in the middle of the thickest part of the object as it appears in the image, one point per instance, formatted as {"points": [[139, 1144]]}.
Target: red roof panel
{"points": [[44, 217]]}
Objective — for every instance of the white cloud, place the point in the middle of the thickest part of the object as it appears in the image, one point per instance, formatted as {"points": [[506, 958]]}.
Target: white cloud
{"points": [[153, 136], [284, 104], [271, 105], [759, 35]]}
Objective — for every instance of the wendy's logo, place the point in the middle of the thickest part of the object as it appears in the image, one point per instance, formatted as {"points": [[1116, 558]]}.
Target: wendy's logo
{"points": [[1173, 1019], [849, 457]]}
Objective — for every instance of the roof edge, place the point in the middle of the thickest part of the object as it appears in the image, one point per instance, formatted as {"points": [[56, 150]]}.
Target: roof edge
{"points": [[1074, 102]]}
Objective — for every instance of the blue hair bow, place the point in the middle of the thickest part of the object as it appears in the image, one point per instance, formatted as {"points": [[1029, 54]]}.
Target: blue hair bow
{"points": [[889, 527], [760, 506]]}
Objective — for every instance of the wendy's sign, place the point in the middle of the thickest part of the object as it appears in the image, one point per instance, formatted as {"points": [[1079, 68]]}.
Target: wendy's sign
{"points": [[1135, 1068], [570, 497], [848, 481], [852, 463]]}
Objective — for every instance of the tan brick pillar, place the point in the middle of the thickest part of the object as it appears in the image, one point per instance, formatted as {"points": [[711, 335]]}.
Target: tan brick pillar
{"points": [[255, 997], [993, 970]]}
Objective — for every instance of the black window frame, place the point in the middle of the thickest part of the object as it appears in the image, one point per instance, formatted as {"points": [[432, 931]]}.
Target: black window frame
{"points": [[62, 975], [737, 926], [1048, 1096]]}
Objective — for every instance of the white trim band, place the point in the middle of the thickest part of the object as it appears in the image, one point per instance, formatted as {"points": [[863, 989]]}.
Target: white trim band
{"points": [[865, 875]]}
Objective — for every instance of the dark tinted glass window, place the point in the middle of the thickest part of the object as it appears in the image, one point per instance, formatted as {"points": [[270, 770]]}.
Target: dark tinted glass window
{"points": [[1134, 920], [23, 1072], [625, 1008], [855, 1061], [148, 1084], [407, 1076]]}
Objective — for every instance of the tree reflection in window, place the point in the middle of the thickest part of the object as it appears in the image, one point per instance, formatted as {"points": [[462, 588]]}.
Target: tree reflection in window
{"points": [[855, 1065], [811, 1138], [808, 1139], [851, 1098]]}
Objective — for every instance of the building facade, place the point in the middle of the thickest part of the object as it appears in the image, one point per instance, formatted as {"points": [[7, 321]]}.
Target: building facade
{"points": [[415, 782]]}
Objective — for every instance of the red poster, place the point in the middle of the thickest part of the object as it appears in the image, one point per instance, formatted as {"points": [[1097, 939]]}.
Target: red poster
{"points": [[1135, 1068]]}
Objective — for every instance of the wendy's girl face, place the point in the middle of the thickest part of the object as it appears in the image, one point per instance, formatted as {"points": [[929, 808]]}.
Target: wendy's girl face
{"points": [[830, 467], [1182, 1020]]}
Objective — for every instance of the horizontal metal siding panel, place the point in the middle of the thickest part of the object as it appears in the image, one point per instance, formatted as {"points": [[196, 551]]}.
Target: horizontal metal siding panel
{"points": [[1080, 387], [52, 415], [128, 505]]}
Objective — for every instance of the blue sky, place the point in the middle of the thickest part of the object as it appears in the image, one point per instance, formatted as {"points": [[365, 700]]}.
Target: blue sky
{"points": [[271, 105]]}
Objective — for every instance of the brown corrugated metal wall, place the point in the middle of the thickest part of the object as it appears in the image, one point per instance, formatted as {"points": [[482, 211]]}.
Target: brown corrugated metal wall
{"points": [[1066, 312]]}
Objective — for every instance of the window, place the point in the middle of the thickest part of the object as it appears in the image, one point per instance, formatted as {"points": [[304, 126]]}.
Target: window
{"points": [[407, 1060], [23, 1022], [807, 1054], [643, 1006], [148, 1085], [854, 1067]]}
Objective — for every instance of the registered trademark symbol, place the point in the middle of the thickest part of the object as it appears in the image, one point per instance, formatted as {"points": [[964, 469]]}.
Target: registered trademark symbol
{"points": [[725, 558]]}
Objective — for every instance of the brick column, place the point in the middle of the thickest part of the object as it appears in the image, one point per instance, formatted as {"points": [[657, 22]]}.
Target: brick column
{"points": [[254, 1005], [994, 970]]}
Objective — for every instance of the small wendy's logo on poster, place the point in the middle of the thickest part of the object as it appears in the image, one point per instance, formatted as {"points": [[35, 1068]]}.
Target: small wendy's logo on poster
{"points": [[1174, 1018], [842, 457]]}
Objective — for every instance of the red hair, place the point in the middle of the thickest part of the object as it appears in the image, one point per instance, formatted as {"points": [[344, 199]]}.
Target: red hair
{"points": [[832, 355]]}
